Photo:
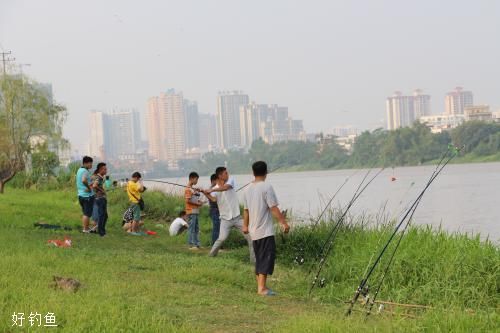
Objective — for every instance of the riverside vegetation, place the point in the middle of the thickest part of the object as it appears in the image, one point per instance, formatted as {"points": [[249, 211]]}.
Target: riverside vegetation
{"points": [[154, 284]]}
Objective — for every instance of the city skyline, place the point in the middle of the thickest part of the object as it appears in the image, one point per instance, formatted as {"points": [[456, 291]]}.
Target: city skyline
{"points": [[332, 63]]}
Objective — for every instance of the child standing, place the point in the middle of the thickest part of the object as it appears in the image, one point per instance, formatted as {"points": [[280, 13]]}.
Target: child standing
{"points": [[134, 191], [193, 204]]}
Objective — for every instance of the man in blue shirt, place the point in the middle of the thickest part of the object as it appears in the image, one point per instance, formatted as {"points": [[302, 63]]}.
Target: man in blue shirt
{"points": [[85, 192]]}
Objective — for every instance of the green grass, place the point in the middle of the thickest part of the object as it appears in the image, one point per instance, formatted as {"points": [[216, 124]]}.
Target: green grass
{"points": [[155, 284]]}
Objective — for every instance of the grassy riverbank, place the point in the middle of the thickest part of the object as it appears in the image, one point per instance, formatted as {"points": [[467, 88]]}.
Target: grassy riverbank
{"points": [[155, 284]]}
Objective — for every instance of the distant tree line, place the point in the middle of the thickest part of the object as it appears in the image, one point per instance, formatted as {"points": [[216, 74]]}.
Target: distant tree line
{"points": [[413, 145], [405, 146]]}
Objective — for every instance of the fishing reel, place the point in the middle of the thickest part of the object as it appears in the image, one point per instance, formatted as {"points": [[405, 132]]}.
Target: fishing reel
{"points": [[322, 282], [365, 293]]}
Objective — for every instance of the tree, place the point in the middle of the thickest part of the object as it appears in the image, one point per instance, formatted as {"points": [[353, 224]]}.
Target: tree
{"points": [[28, 119]]}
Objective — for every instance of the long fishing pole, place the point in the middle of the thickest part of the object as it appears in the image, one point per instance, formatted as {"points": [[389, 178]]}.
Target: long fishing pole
{"points": [[364, 281], [274, 170], [410, 219], [299, 258], [318, 255], [372, 301], [387, 226], [333, 235], [362, 287], [164, 182]]}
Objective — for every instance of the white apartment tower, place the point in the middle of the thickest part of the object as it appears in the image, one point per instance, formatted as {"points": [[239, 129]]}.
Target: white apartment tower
{"points": [[116, 135], [228, 118], [456, 101], [270, 122], [421, 104], [403, 110], [166, 127], [96, 127], [400, 111]]}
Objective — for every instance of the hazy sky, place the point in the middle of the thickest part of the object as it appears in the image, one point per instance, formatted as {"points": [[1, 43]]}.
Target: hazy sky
{"points": [[331, 62]]}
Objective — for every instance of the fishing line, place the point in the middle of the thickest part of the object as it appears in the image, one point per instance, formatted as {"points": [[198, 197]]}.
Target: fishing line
{"points": [[318, 255], [333, 234], [274, 170], [410, 219], [299, 258], [437, 171]]}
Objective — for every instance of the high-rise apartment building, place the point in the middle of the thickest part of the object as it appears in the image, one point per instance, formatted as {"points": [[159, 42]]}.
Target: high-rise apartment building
{"points": [[421, 104], [271, 123], [166, 120], [154, 135], [123, 134], [192, 124], [208, 131], [400, 112], [228, 118], [96, 127], [456, 101], [115, 135], [403, 110]]}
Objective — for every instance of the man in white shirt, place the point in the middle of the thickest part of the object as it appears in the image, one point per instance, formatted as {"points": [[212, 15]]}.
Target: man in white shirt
{"points": [[260, 204], [179, 225], [225, 195]]}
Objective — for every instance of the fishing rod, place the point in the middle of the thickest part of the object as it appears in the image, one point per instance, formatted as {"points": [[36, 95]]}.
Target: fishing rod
{"points": [[318, 255], [164, 182], [362, 288], [333, 234], [274, 170], [410, 219], [348, 205], [387, 226], [299, 258]]}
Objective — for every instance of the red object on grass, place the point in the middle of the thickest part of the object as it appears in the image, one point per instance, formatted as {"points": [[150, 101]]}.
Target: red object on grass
{"points": [[149, 232]]}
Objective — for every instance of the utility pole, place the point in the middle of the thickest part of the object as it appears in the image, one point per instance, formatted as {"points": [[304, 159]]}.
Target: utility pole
{"points": [[5, 60]]}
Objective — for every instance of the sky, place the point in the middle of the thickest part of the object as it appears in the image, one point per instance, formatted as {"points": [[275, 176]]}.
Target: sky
{"points": [[333, 63]]}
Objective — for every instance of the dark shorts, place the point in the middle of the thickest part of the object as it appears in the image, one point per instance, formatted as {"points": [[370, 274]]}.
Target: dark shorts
{"points": [[265, 254], [87, 205]]}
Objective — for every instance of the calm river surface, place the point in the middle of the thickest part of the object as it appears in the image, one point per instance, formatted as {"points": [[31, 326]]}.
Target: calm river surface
{"points": [[464, 197]]}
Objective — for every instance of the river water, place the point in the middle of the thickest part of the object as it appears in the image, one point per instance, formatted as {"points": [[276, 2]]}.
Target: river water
{"points": [[464, 198]]}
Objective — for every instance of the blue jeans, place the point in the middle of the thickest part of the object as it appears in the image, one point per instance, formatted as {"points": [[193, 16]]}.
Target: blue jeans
{"points": [[215, 217], [193, 230], [102, 215]]}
